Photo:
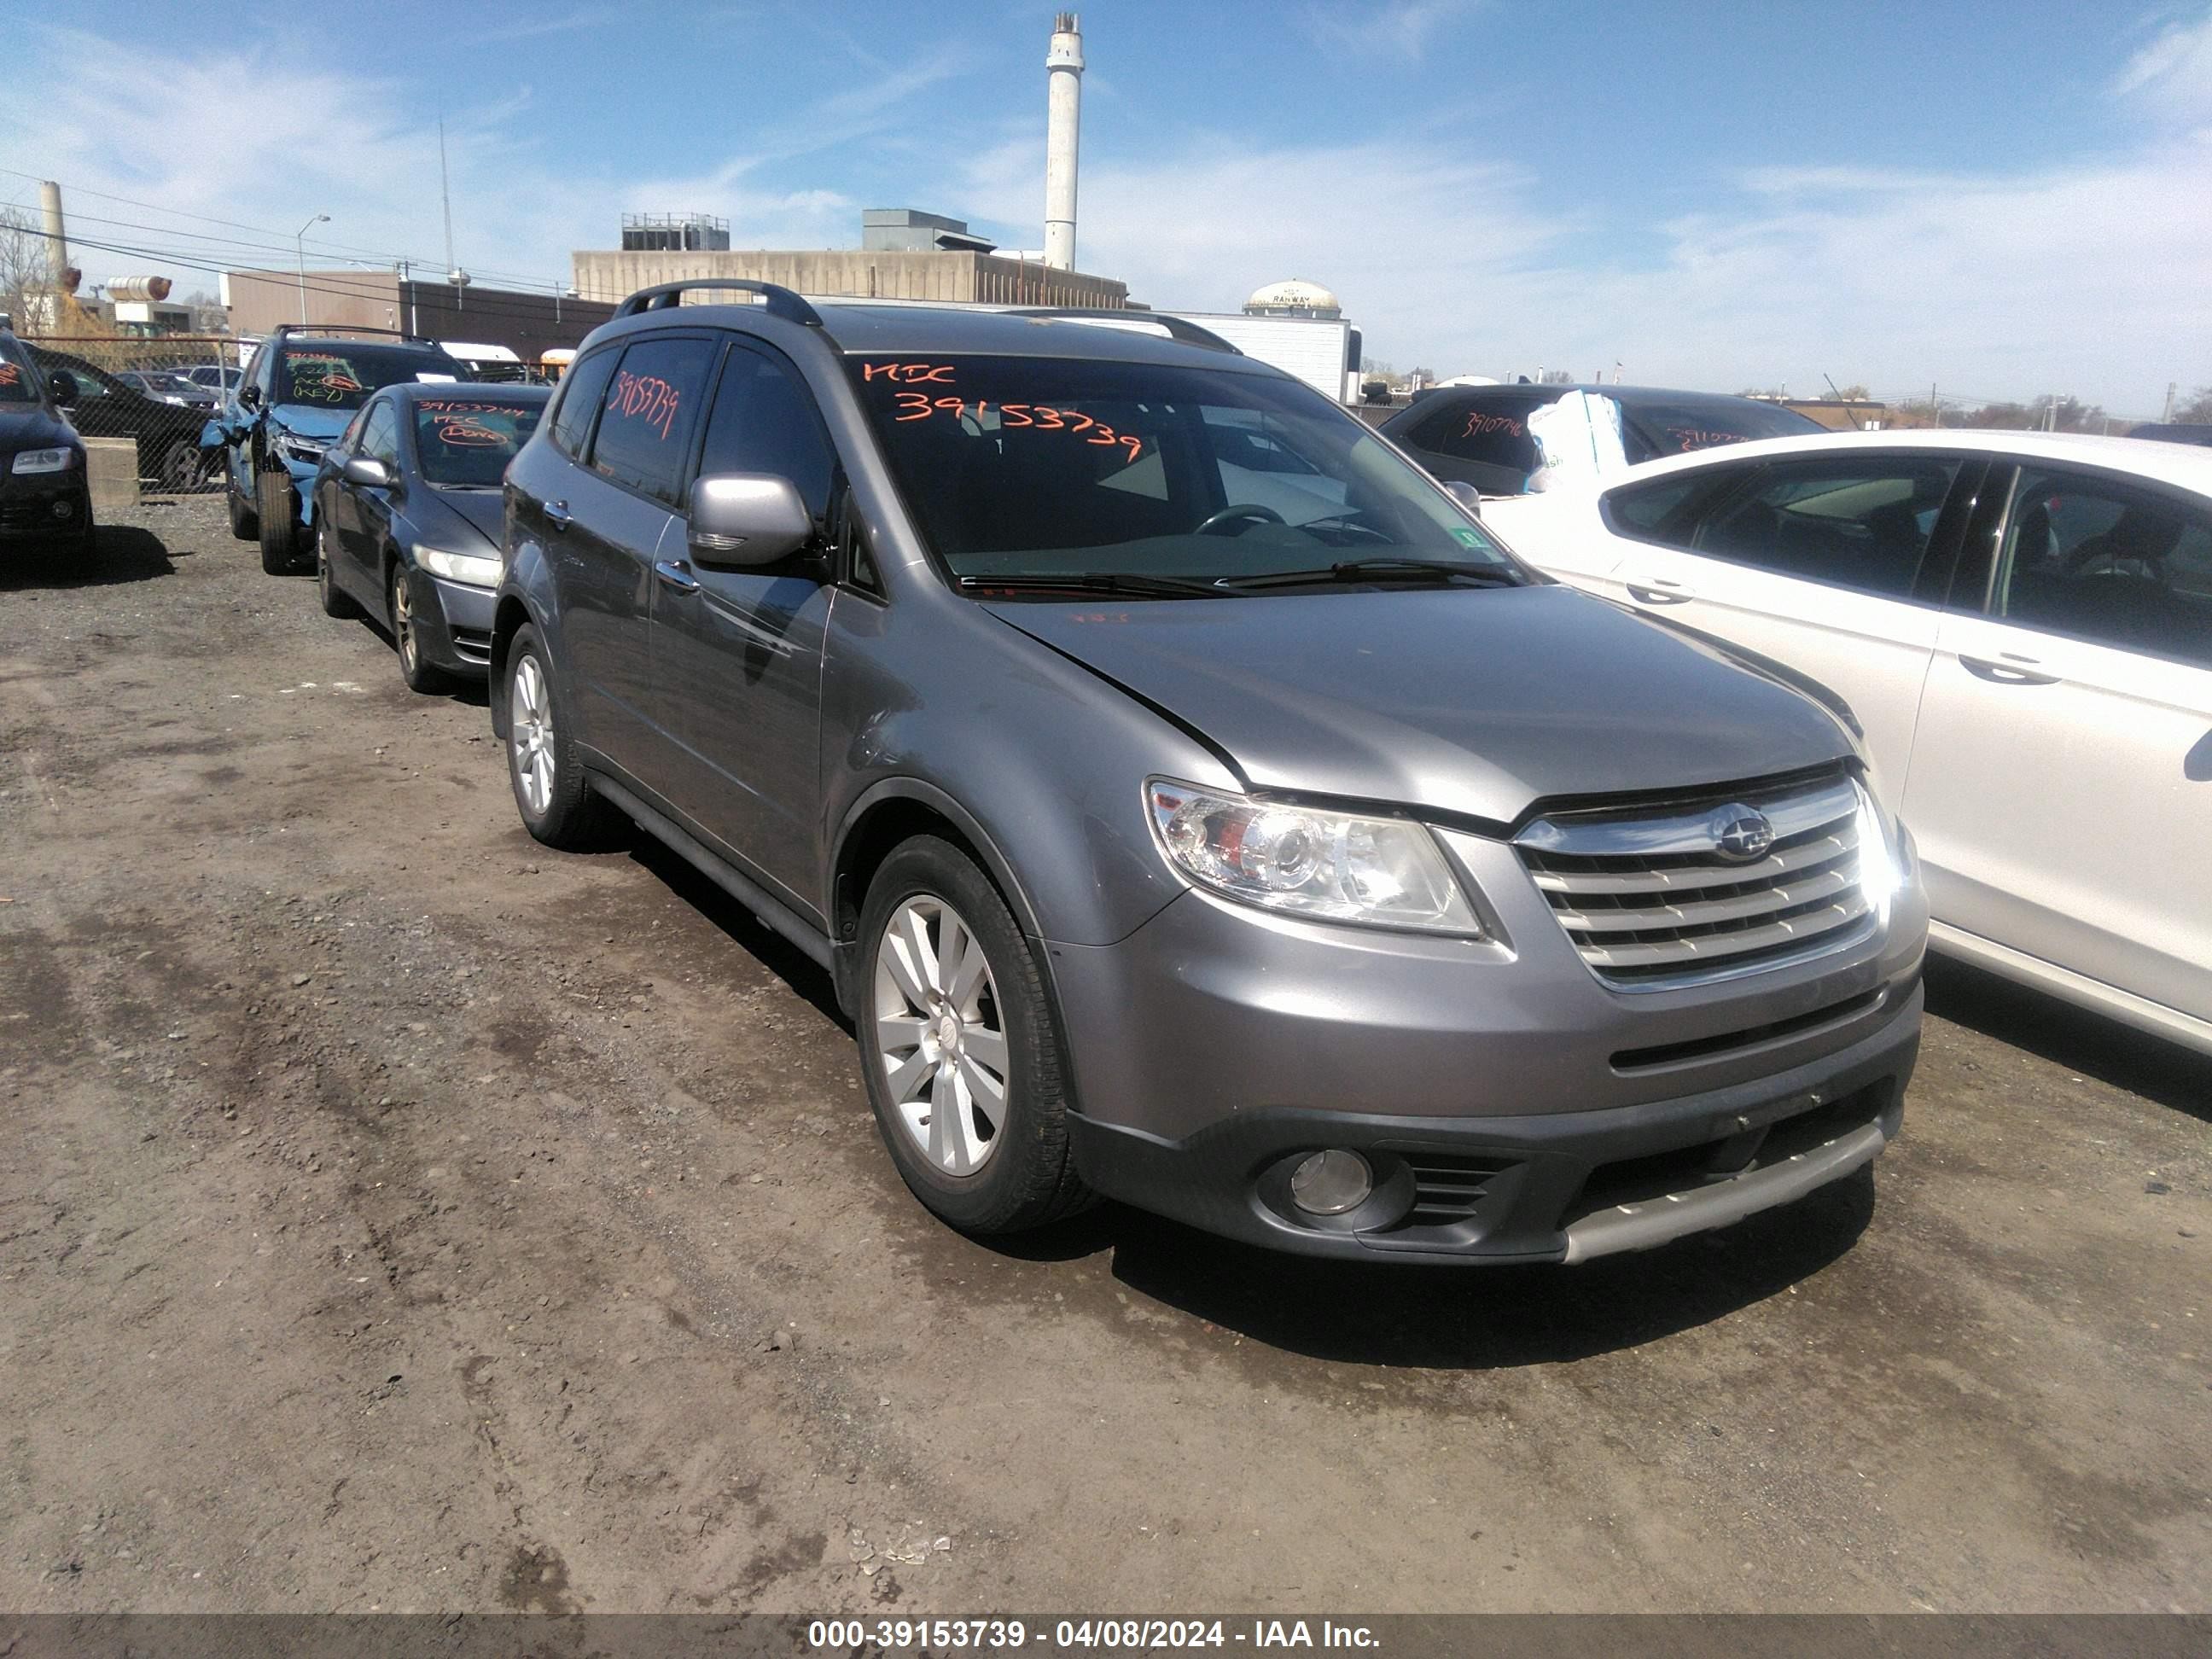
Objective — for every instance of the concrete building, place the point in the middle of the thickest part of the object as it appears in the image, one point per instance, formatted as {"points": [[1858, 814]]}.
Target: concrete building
{"points": [[526, 324], [909, 230], [955, 274]]}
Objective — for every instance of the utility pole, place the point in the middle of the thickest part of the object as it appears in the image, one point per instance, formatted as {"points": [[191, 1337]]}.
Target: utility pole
{"points": [[2172, 386], [1935, 408]]}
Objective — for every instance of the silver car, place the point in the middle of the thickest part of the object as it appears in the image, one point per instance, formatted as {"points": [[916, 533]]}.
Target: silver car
{"points": [[1190, 801]]}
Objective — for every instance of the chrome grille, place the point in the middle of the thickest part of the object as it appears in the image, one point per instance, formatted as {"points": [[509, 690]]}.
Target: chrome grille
{"points": [[1649, 898]]}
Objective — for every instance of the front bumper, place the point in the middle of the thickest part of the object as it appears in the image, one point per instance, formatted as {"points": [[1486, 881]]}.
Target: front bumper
{"points": [[454, 632], [1512, 1106], [44, 506]]}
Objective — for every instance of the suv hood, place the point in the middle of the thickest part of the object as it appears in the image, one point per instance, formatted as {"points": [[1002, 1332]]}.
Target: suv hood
{"points": [[306, 421], [1473, 702], [28, 426]]}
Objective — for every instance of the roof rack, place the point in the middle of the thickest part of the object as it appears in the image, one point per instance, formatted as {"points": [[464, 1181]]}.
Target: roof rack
{"points": [[282, 329], [1175, 328], [781, 300]]}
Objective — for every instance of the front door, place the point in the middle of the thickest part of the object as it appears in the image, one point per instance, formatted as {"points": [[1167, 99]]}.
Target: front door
{"points": [[738, 654], [2061, 787]]}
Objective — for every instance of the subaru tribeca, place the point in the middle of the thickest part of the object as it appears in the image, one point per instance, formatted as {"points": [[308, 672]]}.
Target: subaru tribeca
{"points": [[1191, 802]]}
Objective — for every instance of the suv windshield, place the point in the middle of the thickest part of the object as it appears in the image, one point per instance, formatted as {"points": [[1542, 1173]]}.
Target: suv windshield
{"points": [[1051, 468], [343, 374], [469, 441], [19, 377]]}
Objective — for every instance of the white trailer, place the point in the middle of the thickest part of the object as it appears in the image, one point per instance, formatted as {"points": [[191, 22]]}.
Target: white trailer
{"points": [[1322, 351]]}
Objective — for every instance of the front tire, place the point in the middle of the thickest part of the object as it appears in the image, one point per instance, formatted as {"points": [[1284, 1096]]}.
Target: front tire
{"points": [[961, 1048], [279, 524], [422, 676], [550, 790]]}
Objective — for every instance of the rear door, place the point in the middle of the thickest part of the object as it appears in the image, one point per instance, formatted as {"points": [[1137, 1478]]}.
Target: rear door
{"points": [[1832, 565], [2061, 786], [738, 654]]}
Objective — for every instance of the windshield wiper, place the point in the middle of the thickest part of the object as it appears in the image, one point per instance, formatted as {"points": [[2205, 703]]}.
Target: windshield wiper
{"points": [[1358, 570], [1098, 581]]}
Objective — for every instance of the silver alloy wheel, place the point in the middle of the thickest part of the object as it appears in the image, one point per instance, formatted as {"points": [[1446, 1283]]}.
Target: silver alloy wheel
{"points": [[940, 1033], [403, 618], [529, 723]]}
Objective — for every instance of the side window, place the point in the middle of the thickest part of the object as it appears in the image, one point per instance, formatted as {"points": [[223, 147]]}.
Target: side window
{"points": [[1862, 523], [380, 438], [764, 421], [2107, 560], [581, 389], [1658, 511], [648, 412], [348, 441]]}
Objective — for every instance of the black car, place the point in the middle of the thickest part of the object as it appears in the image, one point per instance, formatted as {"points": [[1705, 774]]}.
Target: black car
{"points": [[2174, 432], [407, 520], [46, 492], [1479, 435], [168, 434]]}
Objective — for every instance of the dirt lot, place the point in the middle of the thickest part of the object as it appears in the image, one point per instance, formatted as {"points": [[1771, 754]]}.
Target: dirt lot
{"points": [[395, 1214]]}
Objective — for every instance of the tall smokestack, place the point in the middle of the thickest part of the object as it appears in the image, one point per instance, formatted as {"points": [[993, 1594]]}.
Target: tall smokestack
{"points": [[50, 203], [1063, 67]]}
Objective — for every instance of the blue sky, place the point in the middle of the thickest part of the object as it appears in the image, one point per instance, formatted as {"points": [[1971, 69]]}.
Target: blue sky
{"points": [[2004, 199]]}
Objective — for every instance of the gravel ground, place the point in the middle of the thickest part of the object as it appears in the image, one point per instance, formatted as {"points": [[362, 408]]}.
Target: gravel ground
{"points": [[395, 1214]]}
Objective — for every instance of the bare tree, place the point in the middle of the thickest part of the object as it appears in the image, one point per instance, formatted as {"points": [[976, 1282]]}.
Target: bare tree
{"points": [[2197, 412], [24, 265]]}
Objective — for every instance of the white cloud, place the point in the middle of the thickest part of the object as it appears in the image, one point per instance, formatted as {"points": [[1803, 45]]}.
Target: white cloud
{"points": [[2172, 76], [1399, 28], [2094, 279], [366, 152]]}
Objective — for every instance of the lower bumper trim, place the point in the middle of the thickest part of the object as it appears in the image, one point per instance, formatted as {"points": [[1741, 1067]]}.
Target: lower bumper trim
{"points": [[1676, 1215]]}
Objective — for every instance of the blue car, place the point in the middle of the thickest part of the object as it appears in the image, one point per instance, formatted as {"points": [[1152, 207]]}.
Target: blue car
{"points": [[301, 390]]}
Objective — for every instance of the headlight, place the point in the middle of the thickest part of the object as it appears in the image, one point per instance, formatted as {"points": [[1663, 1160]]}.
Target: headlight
{"points": [[1885, 856], [1384, 873], [470, 567], [302, 450], [45, 460]]}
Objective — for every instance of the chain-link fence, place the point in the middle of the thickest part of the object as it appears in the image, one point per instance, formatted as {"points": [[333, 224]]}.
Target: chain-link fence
{"points": [[158, 391]]}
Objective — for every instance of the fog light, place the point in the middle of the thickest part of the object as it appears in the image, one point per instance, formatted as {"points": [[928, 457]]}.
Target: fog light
{"points": [[64, 509], [1331, 1182]]}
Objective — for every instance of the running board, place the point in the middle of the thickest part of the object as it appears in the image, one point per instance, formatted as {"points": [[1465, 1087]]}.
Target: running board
{"points": [[774, 914]]}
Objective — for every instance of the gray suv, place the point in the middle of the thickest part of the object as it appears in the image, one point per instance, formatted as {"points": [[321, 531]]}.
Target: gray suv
{"points": [[1191, 801]]}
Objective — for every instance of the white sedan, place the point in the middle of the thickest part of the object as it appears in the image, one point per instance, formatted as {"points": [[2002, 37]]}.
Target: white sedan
{"points": [[2021, 624]]}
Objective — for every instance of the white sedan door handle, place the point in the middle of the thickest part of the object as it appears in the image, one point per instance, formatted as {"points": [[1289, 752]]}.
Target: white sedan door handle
{"points": [[1659, 591]]}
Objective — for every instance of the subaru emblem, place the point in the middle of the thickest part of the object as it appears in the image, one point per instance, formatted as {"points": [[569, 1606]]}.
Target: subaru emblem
{"points": [[1741, 834]]}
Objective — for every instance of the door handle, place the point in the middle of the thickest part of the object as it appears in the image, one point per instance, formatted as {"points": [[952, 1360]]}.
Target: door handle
{"points": [[558, 515], [2019, 670], [1661, 593], [677, 575]]}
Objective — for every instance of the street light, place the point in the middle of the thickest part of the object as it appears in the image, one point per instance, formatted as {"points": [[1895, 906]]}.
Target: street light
{"points": [[300, 243]]}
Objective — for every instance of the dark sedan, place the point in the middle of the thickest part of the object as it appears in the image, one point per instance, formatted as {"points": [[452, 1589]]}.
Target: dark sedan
{"points": [[1479, 436], [407, 517], [167, 434]]}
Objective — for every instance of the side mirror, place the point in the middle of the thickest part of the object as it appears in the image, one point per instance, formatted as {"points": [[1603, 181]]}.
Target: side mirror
{"points": [[249, 396], [63, 386], [741, 520], [1467, 495], [366, 472]]}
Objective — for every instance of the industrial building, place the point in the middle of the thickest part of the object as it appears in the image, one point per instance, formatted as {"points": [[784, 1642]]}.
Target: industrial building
{"points": [[526, 324]]}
